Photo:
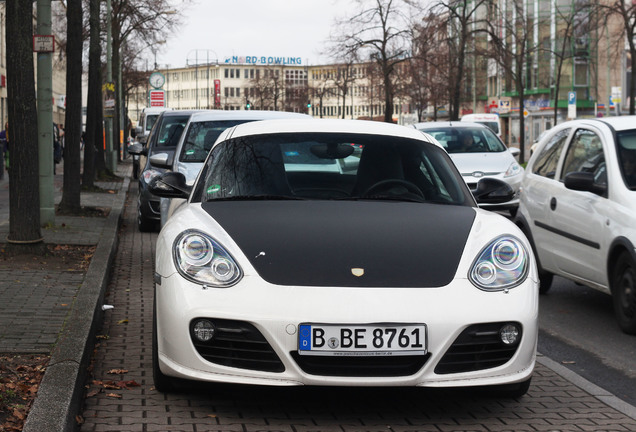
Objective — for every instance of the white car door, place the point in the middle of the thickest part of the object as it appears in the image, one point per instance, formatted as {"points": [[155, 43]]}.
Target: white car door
{"points": [[539, 186], [579, 218]]}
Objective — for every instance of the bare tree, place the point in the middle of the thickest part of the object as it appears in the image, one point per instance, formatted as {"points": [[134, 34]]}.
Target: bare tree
{"points": [[24, 202], [462, 24], [318, 91], [268, 87], [379, 31], [93, 141], [431, 64], [70, 202], [626, 11], [509, 30], [343, 81], [147, 20]]}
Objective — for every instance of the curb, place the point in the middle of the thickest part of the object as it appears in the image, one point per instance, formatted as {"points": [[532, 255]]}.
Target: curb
{"points": [[61, 391], [599, 393]]}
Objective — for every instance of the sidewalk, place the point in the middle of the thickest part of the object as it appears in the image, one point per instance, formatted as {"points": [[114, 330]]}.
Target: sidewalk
{"points": [[58, 314]]}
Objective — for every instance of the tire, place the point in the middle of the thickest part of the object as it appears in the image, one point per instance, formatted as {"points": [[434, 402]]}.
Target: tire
{"points": [[624, 293], [143, 223], [545, 278], [545, 281], [163, 383]]}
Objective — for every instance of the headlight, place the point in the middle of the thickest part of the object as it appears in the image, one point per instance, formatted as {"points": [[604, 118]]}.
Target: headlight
{"points": [[149, 175], [513, 170], [502, 264], [199, 258]]}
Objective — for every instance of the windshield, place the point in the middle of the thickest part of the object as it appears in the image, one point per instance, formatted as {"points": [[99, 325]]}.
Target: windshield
{"points": [[626, 147], [330, 166], [150, 121], [467, 139], [171, 130], [201, 136]]}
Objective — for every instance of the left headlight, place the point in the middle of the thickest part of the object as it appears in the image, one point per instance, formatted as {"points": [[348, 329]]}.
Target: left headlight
{"points": [[201, 259], [500, 265], [149, 174], [513, 170]]}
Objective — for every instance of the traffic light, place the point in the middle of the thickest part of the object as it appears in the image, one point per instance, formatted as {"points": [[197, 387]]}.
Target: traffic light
{"points": [[248, 105], [308, 104]]}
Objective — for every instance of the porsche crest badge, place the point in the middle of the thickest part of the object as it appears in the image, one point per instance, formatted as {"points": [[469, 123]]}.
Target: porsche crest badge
{"points": [[357, 271]]}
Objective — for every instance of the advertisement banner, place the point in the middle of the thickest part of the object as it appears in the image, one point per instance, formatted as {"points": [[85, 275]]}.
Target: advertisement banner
{"points": [[217, 93]]}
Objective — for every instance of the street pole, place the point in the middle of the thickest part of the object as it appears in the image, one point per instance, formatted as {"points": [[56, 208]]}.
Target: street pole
{"points": [[45, 117], [111, 162]]}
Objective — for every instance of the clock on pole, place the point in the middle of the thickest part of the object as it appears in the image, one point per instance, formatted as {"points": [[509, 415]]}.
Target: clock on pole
{"points": [[157, 79]]}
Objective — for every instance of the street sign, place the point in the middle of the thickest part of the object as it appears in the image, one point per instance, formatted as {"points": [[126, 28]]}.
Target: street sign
{"points": [[43, 43], [571, 98], [504, 105], [157, 98], [572, 105]]}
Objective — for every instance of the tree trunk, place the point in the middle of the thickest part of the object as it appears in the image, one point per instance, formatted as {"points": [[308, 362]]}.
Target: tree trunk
{"points": [[24, 203], [93, 141], [71, 200]]}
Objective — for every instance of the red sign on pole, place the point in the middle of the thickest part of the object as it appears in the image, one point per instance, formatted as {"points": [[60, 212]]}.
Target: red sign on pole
{"points": [[217, 93], [157, 98]]}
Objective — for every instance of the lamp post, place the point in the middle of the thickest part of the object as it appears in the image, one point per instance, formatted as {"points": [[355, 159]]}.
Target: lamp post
{"points": [[196, 73]]}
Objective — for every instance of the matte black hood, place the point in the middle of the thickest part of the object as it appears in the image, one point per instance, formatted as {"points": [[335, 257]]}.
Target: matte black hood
{"points": [[318, 243]]}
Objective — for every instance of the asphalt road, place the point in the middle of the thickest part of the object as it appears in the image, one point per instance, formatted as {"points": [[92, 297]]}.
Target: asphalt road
{"points": [[578, 330]]}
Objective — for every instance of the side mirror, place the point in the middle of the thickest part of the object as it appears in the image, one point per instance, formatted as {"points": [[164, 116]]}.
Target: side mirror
{"points": [[137, 149], [161, 160], [170, 185], [515, 151], [584, 181], [493, 191]]}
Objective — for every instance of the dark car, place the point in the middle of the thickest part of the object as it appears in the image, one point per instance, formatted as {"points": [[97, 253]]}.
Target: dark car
{"points": [[163, 138]]}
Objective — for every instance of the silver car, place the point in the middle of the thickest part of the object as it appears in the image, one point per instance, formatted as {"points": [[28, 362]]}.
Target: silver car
{"points": [[197, 139], [478, 153]]}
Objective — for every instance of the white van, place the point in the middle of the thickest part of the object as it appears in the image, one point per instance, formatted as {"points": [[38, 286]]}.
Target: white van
{"points": [[490, 120], [147, 119]]}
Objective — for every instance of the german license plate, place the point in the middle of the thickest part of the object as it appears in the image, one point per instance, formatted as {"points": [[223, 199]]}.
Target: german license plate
{"points": [[362, 340]]}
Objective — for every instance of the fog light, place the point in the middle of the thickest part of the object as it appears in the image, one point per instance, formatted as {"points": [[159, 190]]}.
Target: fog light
{"points": [[509, 334], [204, 330]]}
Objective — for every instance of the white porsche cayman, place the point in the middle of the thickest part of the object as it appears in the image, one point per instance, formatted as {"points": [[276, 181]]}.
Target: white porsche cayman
{"points": [[346, 253]]}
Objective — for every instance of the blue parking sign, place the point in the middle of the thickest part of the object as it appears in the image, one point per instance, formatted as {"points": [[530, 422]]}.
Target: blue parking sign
{"points": [[571, 98]]}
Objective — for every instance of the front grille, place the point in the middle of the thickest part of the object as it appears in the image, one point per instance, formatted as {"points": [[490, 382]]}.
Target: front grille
{"points": [[476, 348], [238, 344], [154, 206], [384, 366]]}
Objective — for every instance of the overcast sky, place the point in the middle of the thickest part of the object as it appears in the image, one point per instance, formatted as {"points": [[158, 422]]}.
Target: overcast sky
{"points": [[280, 28]]}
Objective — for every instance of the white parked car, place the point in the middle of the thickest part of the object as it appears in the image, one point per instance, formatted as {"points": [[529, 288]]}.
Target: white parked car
{"points": [[200, 133], [578, 206], [478, 153], [382, 274]]}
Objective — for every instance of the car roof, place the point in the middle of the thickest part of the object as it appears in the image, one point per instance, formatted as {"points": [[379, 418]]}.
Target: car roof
{"points": [[325, 125], [452, 124], [179, 112], [155, 110], [209, 115], [617, 123]]}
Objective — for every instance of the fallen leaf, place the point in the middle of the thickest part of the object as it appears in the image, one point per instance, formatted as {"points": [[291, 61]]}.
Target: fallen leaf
{"points": [[117, 371], [92, 393], [79, 419], [124, 321], [126, 384], [114, 395]]}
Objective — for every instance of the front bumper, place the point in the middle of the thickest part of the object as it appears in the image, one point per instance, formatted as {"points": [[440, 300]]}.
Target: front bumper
{"points": [[274, 313]]}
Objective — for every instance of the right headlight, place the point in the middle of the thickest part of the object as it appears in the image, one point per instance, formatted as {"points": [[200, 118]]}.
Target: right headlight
{"points": [[500, 265], [201, 259]]}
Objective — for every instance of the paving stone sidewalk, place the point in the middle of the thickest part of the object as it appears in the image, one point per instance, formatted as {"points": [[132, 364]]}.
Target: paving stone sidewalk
{"points": [[54, 313]]}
